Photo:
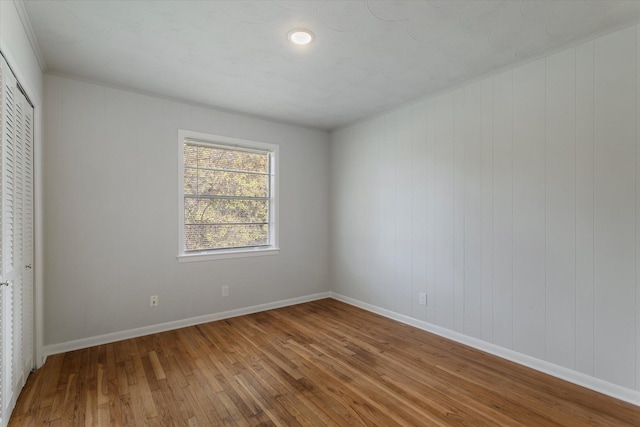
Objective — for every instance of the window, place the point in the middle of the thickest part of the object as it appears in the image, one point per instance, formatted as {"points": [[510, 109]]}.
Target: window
{"points": [[228, 205]]}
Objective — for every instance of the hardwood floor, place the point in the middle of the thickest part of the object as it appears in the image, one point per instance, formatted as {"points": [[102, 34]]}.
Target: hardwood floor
{"points": [[319, 363]]}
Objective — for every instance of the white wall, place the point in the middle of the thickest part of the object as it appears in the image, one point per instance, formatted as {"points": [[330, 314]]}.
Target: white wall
{"points": [[513, 202], [111, 223]]}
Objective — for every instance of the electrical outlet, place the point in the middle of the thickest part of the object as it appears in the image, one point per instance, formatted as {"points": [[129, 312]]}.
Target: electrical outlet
{"points": [[153, 302], [423, 298], [225, 291]]}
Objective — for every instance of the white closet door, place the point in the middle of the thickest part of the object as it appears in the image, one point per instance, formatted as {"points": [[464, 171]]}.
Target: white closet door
{"points": [[16, 241], [8, 135], [27, 242]]}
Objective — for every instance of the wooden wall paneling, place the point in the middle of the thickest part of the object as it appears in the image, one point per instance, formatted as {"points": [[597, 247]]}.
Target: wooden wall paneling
{"points": [[487, 210], [444, 210], [584, 208], [367, 215], [378, 265], [387, 165], [561, 212], [473, 181], [637, 208], [614, 205], [431, 212], [404, 219], [419, 173], [529, 209], [503, 210], [459, 134]]}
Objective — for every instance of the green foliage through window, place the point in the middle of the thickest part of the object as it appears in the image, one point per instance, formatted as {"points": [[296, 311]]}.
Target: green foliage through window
{"points": [[226, 197]]}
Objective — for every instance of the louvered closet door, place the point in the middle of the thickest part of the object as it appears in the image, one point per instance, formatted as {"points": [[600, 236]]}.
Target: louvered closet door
{"points": [[28, 361], [16, 241]]}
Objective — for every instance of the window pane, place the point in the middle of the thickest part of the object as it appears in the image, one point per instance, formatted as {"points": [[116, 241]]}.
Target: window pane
{"points": [[216, 211], [199, 237], [223, 183], [190, 155], [190, 181], [220, 158], [222, 187]]}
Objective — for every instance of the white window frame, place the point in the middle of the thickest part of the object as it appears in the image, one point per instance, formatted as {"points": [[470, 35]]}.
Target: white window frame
{"points": [[213, 254]]}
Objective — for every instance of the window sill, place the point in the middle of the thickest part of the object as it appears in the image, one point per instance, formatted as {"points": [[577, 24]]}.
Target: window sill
{"points": [[227, 254]]}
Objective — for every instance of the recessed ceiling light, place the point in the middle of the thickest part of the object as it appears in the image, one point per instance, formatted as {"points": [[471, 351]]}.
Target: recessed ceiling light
{"points": [[300, 36]]}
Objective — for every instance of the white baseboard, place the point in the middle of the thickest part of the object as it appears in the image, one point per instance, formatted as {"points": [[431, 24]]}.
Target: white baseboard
{"points": [[598, 385], [168, 326], [575, 377]]}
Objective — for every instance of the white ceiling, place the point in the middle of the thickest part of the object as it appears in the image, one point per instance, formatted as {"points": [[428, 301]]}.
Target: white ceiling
{"points": [[368, 56]]}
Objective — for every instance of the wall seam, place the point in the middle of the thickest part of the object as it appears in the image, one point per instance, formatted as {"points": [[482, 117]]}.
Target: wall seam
{"points": [[493, 200], [512, 217], [593, 223], [546, 337], [575, 209], [636, 206]]}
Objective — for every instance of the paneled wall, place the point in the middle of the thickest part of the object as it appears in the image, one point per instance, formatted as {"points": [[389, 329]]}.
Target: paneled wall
{"points": [[111, 214], [513, 202]]}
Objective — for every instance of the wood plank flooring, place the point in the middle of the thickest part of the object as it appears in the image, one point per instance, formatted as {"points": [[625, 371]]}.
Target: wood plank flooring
{"points": [[319, 363]]}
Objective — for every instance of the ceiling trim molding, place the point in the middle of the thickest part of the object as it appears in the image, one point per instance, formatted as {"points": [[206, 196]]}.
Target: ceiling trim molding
{"points": [[31, 35]]}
